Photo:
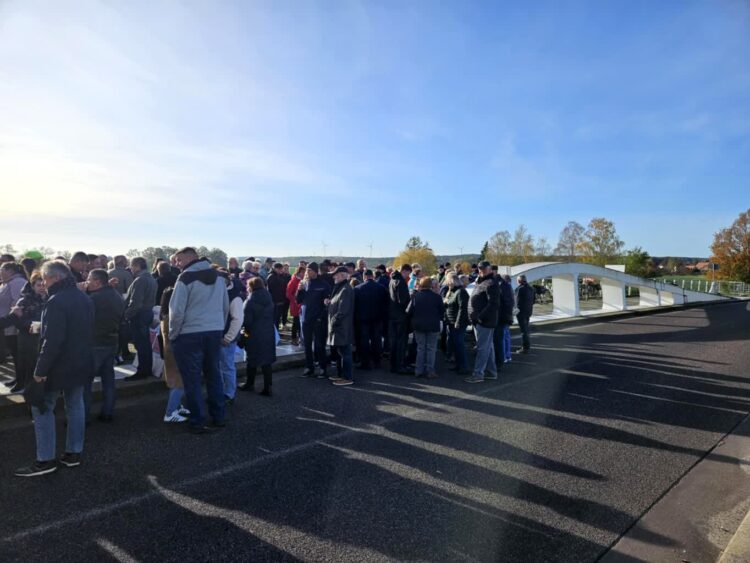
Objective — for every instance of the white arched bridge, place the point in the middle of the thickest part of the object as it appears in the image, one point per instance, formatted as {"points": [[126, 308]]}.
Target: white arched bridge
{"points": [[615, 286]]}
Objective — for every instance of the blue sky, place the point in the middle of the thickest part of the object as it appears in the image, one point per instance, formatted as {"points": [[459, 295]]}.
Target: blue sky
{"points": [[268, 128]]}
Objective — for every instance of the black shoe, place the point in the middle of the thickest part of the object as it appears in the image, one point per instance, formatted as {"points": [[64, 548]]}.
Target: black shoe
{"points": [[136, 376], [17, 388], [266, 393], [11, 383], [220, 424], [205, 429], [246, 387], [522, 351], [37, 469], [104, 418], [308, 373], [70, 460]]}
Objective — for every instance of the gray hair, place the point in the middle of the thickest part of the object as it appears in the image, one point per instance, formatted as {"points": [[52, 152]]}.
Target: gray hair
{"points": [[452, 278], [56, 269], [246, 265], [521, 278], [464, 279]]}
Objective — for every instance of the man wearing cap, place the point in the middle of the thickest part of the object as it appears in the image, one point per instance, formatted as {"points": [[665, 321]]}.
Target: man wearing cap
{"points": [[341, 325], [371, 311], [483, 313], [312, 293], [397, 329], [525, 304]]}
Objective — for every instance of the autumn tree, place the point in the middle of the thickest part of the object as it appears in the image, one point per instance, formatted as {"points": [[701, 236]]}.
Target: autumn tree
{"points": [[571, 238], [522, 246], [601, 245], [498, 248], [639, 263], [731, 250], [418, 252], [542, 249]]}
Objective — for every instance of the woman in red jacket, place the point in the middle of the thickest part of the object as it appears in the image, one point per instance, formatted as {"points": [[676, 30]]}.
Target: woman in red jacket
{"points": [[294, 308]]}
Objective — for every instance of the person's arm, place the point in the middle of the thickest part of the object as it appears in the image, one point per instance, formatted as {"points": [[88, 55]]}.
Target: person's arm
{"points": [[462, 319], [247, 317], [177, 309], [134, 299], [235, 311], [53, 340]]}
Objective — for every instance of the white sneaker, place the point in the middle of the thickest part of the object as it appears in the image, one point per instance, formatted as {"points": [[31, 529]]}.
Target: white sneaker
{"points": [[183, 411], [174, 417]]}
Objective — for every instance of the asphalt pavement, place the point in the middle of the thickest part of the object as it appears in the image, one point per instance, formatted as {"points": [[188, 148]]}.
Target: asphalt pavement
{"points": [[555, 461]]}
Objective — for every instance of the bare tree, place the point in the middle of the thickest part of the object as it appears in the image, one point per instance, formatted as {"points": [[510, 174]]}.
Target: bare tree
{"points": [[571, 238]]}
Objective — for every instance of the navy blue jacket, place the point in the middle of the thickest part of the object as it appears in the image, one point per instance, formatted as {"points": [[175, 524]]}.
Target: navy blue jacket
{"points": [[426, 310], [370, 302], [507, 302], [65, 356], [313, 297]]}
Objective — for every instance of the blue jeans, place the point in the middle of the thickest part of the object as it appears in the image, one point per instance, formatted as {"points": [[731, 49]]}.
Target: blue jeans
{"points": [[140, 329], [485, 360], [229, 369], [523, 324], [175, 399], [44, 424], [426, 348], [104, 368], [506, 343], [196, 353], [344, 362], [457, 339]]}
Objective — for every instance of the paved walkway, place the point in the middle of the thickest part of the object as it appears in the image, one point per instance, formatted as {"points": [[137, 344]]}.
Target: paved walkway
{"points": [[554, 462]]}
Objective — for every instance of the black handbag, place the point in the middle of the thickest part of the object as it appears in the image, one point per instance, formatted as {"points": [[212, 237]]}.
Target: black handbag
{"points": [[33, 394]]}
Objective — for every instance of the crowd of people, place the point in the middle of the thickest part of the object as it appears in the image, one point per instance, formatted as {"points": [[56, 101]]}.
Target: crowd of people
{"points": [[66, 323]]}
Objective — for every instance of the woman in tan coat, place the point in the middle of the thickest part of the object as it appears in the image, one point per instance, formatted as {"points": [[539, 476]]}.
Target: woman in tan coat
{"points": [[175, 411]]}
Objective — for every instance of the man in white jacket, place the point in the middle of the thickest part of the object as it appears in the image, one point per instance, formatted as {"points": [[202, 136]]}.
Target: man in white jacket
{"points": [[231, 334]]}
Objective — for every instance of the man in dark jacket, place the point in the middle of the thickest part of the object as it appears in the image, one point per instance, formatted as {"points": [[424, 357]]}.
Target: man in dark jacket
{"points": [[139, 311], [312, 293], [525, 304], [371, 308], [341, 325], [65, 364], [108, 310], [276, 284], [398, 322], [483, 312]]}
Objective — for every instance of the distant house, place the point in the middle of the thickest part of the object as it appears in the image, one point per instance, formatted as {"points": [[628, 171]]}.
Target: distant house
{"points": [[703, 266]]}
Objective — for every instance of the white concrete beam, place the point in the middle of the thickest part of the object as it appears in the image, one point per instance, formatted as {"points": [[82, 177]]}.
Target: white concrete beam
{"points": [[565, 295]]}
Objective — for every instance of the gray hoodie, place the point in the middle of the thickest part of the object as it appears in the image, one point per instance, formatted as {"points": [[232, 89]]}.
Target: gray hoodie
{"points": [[199, 303]]}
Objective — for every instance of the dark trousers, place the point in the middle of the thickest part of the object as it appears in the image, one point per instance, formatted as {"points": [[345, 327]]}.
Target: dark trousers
{"points": [[285, 313], [196, 353], [344, 361], [104, 369], [124, 337], [457, 344], [523, 324], [140, 330], [370, 343], [278, 314], [11, 344], [267, 376], [315, 332], [296, 329], [397, 332]]}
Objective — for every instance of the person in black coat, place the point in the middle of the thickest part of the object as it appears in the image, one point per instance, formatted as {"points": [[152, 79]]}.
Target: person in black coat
{"points": [[425, 311], [277, 288], [398, 290], [371, 309], [312, 293], [504, 317], [457, 318], [484, 307], [65, 364], [260, 336], [525, 303]]}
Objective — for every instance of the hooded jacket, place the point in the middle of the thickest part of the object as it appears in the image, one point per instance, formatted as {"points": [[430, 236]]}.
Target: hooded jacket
{"points": [[199, 303]]}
